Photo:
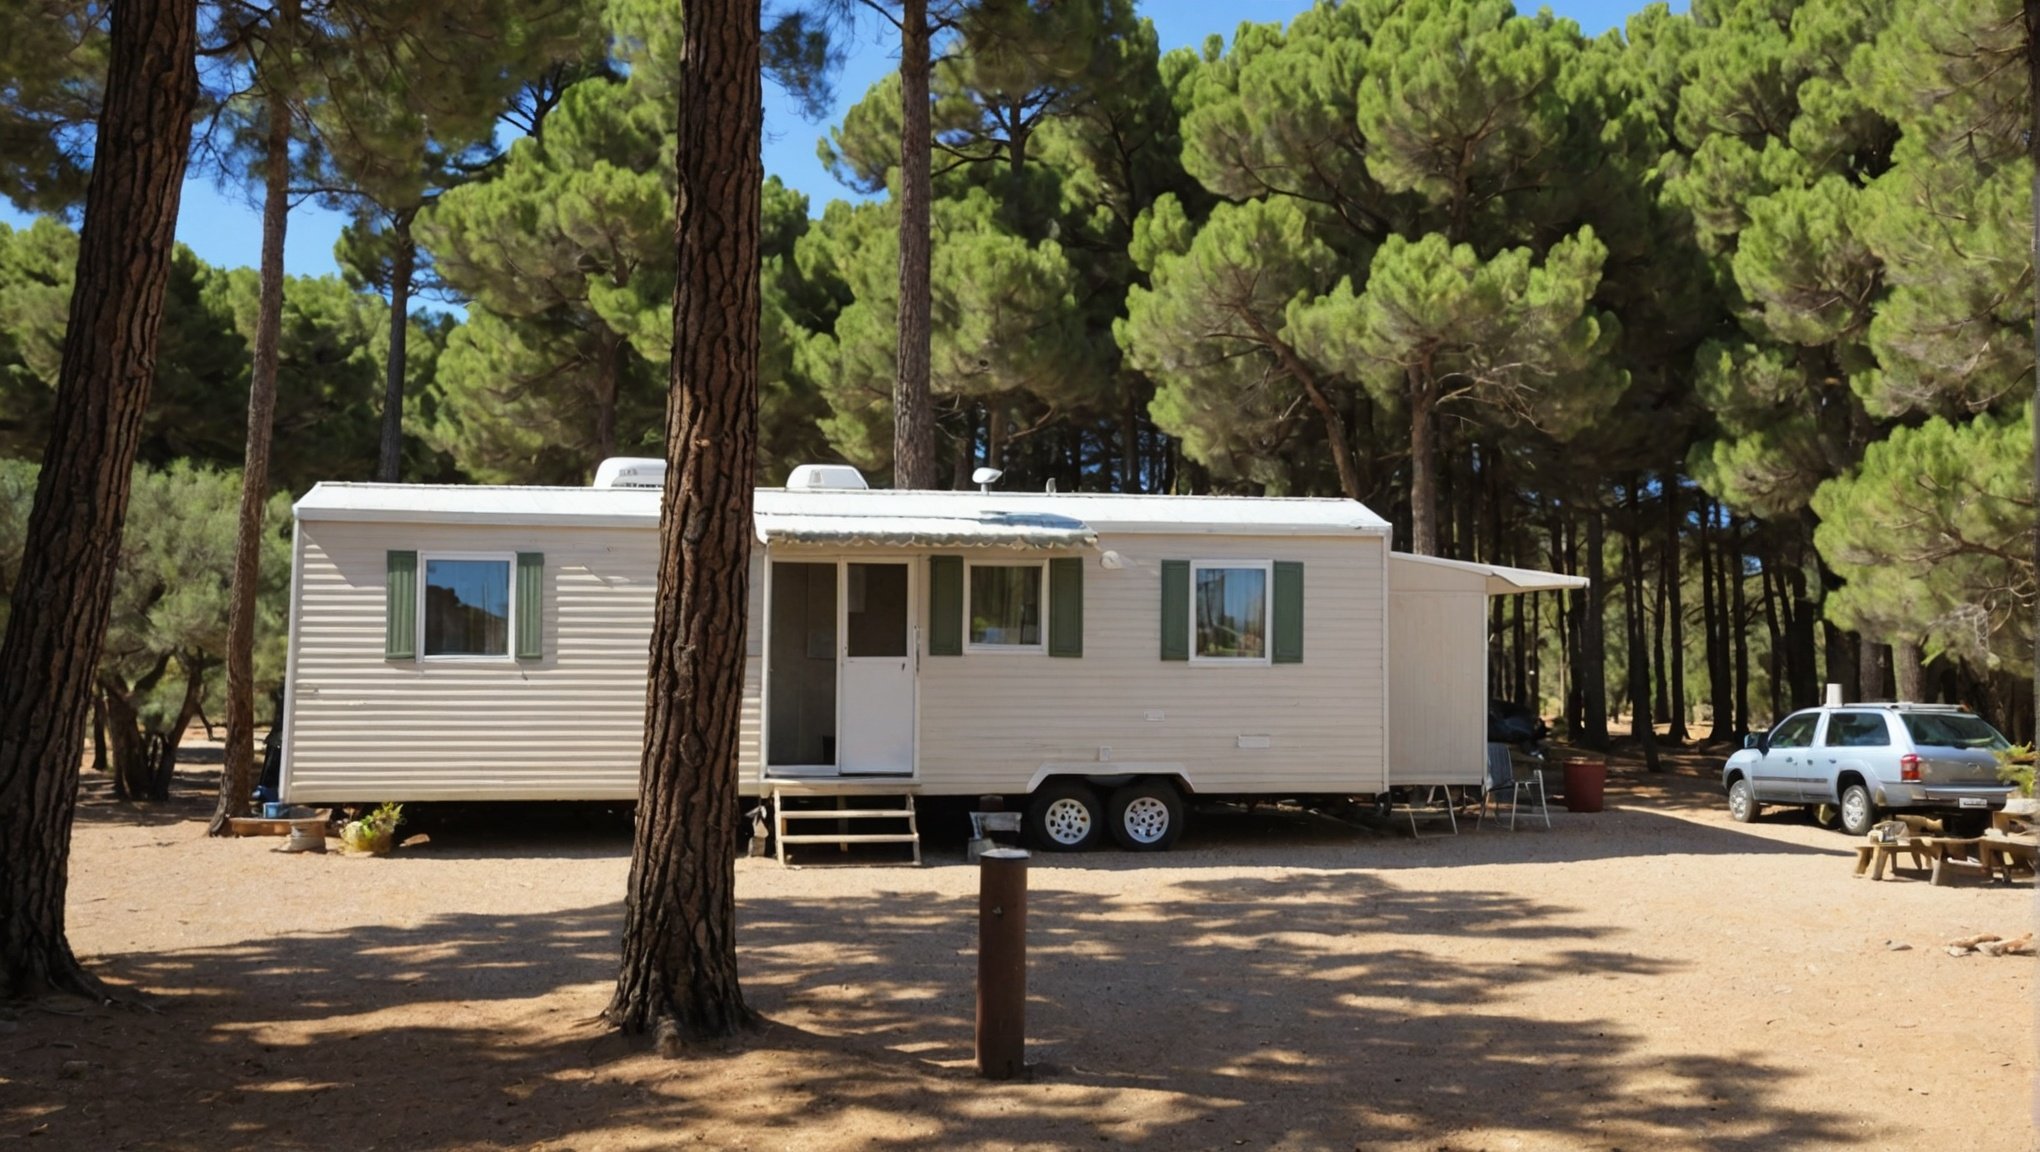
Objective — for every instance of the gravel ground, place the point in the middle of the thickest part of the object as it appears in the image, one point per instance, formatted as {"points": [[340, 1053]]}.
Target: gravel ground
{"points": [[1650, 977]]}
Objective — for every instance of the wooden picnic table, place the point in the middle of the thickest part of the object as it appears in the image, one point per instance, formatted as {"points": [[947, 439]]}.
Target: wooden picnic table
{"points": [[1940, 856]]}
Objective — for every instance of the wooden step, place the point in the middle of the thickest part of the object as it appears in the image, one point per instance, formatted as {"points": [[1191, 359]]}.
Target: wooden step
{"points": [[853, 824]]}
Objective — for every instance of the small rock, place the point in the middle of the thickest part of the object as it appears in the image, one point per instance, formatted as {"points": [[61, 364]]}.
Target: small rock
{"points": [[1955, 950], [74, 1069], [1897, 946]]}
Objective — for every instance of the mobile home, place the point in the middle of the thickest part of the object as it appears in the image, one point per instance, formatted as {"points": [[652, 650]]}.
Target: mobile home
{"points": [[1102, 657]]}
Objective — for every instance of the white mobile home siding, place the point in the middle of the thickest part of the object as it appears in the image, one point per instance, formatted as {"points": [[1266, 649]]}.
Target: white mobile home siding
{"points": [[992, 722], [1437, 686], [567, 726]]}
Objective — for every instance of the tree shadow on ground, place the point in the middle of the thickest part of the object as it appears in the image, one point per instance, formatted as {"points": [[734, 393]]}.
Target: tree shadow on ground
{"points": [[1307, 1010]]}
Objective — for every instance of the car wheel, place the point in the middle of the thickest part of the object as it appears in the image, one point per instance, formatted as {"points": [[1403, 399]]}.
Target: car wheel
{"points": [[1858, 812], [1065, 816], [1965, 825], [1742, 802], [1827, 816], [1146, 816]]}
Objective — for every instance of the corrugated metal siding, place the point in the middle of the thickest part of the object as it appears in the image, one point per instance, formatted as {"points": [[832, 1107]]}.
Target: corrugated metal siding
{"points": [[989, 721], [568, 726], [1437, 685]]}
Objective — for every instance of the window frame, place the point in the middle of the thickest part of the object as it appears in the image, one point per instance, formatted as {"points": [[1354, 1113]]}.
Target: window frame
{"points": [[1813, 735], [1267, 656], [1039, 648], [509, 561]]}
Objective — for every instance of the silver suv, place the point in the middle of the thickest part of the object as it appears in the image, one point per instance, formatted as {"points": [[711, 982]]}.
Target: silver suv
{"points": [[1868, 759]]}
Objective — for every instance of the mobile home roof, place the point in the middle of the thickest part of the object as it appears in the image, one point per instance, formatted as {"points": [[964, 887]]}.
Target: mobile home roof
{"points": [[935, 517]]}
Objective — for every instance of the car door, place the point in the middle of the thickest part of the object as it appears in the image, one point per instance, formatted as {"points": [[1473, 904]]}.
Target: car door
{"points": [[1777, 774], [1849, 741]]}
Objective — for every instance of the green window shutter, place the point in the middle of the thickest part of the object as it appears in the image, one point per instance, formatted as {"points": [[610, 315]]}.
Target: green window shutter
{"points": [[400, 606], [1066, 607], [1288, 647], [530, 605], [1175, 609], [945, 605]]}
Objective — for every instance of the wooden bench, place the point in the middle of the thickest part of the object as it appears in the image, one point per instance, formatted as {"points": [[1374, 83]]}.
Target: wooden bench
{"points": [[1942, 856], [1874, 855]]}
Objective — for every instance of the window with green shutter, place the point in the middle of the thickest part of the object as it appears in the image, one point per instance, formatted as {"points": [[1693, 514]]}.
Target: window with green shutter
{"points": [[945, 605], [400, 606], [1066, 607], [1175, 610], [1288, 648], [530, 605]]}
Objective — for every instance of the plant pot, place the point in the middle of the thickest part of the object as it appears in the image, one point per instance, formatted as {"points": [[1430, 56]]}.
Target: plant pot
{"points": [[361, 838], [1585, 780]]}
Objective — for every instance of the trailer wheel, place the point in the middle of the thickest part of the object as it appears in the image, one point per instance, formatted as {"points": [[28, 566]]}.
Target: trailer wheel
{"points": [[1146, 816], [1065, 816]]}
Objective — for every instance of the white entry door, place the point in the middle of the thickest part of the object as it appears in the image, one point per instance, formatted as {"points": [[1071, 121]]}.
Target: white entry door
{"points": [[875, 728]]}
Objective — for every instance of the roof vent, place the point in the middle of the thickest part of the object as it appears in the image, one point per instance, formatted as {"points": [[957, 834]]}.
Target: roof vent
{"points": [[826, 478], [631, 472]]}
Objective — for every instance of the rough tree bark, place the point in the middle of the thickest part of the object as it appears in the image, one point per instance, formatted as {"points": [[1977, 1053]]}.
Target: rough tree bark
{"points": [[679, 967], [237, 775], [1640, 726], [913, 417], [1713, 614], [1593, 635], [1906, 671], [72, 541], [1739, 621], [403, 266], [2033, 153], [1675, 610]]}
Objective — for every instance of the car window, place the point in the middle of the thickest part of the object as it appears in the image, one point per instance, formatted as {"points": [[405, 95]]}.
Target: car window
{"points": [[1795, 732], [1856, 730], [1953, 730]]}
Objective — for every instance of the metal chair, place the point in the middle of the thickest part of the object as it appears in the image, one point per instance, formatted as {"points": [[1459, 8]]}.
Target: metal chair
{"points": [[1501, 783]]}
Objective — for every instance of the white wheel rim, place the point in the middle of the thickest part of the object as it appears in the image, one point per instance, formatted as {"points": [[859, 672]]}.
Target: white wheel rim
{"points": [[1146, 820], [1067, 821], [1855, 810], [1739, 801]]}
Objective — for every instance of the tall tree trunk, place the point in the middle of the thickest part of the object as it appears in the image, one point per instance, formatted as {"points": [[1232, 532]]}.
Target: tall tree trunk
{"points": [[1799, 638], [237, 773], [72, 540], [1593, 635], [1640, 725], [1773, 593], [403, 266], [98, 730], [679, 965], [2032, 47], [164, 766], [1906, 671], [1423, 468], [609, 381], [1675, 612], [129, 745], [913, 417], [1129, 441], [1712, 611], [1739, 620]]}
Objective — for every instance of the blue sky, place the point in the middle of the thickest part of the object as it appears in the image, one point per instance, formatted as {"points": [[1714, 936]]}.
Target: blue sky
{"points": [[224, 227]]}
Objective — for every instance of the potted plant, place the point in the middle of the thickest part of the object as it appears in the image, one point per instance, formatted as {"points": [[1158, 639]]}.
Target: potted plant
{"points": [[374, 833]]}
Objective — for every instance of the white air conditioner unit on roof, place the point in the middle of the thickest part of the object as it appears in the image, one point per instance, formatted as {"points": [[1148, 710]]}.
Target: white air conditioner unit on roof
{"points": [[631, 472], [826, 477]]}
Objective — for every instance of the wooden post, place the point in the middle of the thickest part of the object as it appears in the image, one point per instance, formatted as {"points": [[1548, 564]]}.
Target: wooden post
{"points": [[1002, 963]]}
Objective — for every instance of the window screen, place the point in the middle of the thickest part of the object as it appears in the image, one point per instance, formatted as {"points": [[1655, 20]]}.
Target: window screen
{"points": [[467, 607], [1857, 730]]}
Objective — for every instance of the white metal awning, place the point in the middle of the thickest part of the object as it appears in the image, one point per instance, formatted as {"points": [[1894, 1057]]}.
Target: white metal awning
{"points": [[1021, 530], [1503, 581]]}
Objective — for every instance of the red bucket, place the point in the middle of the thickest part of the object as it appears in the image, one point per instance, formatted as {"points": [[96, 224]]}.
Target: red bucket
{"points": [[1585, 780]]}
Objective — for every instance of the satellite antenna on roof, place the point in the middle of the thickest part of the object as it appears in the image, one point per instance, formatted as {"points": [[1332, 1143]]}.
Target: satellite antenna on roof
{"points": [[984, 478]]}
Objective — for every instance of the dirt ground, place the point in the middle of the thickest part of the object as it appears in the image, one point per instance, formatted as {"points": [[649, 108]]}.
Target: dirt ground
{"points": [[1650, 977]]}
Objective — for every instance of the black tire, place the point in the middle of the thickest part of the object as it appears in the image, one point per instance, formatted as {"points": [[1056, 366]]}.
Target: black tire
{"points": [[1965, 825], [1742, 802], [1065, 816], [1859, 811], [1146, 816]]}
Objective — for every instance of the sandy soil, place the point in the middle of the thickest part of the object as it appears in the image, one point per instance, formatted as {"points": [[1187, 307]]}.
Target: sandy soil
{"points": [[1651, 977]]}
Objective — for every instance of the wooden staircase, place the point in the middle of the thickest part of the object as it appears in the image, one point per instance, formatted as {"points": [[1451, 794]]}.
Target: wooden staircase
{"points": [[843, 820]]}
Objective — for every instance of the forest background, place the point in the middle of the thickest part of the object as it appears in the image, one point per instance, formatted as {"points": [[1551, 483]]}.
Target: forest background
{"points": [[1725, 309]]}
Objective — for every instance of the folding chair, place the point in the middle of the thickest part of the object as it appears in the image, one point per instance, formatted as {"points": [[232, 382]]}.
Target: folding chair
{"points": [[1434, 802], [1501, 783]]}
